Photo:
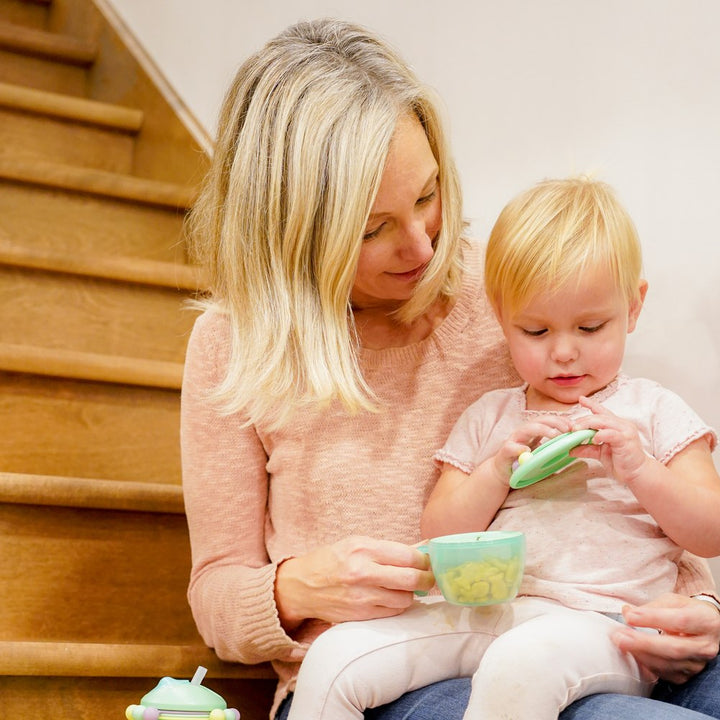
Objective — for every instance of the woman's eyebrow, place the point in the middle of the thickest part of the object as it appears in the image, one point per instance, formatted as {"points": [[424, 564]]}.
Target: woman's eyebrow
{"points": [[430, 181]]}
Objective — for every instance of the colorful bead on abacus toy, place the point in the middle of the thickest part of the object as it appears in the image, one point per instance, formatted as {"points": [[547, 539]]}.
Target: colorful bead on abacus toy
{"points": [[173, 699]]}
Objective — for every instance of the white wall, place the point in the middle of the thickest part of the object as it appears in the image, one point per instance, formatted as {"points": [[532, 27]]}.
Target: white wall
{"points": [[629, 89]]}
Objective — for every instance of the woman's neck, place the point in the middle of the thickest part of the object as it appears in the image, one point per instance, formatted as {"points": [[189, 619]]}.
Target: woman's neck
{"points": [[379, 329]]}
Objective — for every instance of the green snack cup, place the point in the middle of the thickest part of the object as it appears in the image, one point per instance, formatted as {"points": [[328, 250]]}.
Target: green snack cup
{"points": [[482, 568]]}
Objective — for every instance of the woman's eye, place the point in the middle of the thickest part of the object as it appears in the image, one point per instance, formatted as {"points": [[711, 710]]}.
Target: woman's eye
{"points": [[427, 198], [373, 233]]}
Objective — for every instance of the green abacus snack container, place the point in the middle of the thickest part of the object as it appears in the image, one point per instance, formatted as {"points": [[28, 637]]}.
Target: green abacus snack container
{"points": [[482, 568], [173, 699]]}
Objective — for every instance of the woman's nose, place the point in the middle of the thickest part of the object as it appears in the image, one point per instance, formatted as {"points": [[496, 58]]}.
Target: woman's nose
{"points": [[416, 244]]}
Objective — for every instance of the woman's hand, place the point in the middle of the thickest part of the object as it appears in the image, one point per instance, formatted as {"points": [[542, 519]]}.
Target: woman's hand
{"points": [[689, 638], [357, 578]]}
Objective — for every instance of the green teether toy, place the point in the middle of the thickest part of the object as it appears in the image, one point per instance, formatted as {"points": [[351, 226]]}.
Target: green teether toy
{"points": [[547, 458]]}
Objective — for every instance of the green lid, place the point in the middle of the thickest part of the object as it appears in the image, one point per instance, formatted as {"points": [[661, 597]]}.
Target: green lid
{"points": [[548, 458]]}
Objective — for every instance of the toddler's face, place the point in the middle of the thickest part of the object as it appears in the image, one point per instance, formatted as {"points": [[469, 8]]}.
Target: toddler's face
{"points": [[571, 342]]}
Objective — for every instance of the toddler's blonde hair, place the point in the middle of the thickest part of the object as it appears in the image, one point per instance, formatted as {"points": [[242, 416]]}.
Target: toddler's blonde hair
{"points": [[545, 238]]}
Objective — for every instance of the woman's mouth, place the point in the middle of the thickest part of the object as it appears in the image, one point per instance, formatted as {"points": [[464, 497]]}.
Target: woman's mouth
{"points": [[411, 275]]}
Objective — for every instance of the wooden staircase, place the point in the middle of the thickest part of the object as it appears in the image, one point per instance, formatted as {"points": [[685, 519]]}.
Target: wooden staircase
{"points": [[96, 175]]}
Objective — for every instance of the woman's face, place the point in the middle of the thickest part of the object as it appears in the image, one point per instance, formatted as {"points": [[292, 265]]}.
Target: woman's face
{"points": [[403, 224]]}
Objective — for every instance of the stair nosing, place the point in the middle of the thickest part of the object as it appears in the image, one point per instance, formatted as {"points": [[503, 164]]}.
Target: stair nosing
{"points": [[140, 271], [41, 43], [92, 181], [91, 367], [71, 659], [68, 107], [90, 493]]}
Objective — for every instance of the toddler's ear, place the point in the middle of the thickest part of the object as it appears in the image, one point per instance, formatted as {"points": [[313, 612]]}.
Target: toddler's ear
{"points": [[636, 304]]}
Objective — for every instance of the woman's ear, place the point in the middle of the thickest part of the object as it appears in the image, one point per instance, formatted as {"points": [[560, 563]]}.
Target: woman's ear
{"points": [[636, 304]]}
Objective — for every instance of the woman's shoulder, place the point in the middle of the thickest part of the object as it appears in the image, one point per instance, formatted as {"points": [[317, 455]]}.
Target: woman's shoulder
{"points": [[209, 341], [471, 307], [473, 262], [211, 325], [473, 286]]}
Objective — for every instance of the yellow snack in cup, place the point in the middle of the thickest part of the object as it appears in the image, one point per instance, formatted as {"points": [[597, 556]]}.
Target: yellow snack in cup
{"points": [[478, 568]]}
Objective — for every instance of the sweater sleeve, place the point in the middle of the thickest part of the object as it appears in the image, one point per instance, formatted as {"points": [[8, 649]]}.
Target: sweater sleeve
{"points": [[225, 485]]}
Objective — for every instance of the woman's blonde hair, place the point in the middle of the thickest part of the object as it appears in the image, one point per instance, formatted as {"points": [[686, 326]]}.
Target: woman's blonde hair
{"points": [[546, 236], [303, 136]]}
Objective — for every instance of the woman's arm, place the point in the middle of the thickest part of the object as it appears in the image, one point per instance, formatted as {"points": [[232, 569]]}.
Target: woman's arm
{"points": [[225, 486]]}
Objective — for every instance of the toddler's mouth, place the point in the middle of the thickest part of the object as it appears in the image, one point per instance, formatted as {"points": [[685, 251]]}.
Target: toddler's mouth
{"points": [[567, 380]]}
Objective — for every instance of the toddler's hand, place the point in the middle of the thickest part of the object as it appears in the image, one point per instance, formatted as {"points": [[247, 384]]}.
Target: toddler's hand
{"points": [[616, 443], [525, 438]]}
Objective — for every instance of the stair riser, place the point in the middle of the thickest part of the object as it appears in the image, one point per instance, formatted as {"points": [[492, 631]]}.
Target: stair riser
{"points": [[76, 223], [42, 74], [71, 698], [30, 14], [28, 136], [74, 575], [72, 312], [50, 426]]}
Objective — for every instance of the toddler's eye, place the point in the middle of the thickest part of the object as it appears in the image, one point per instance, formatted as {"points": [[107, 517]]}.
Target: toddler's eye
{"points": [[534, 333], [591, 328]]}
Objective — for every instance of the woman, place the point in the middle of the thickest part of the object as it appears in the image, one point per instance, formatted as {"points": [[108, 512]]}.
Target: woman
{"points": [[346, 331]]}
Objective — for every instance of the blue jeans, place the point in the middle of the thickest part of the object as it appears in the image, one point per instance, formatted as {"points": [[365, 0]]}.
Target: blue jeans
{"points": [[697, 699]]}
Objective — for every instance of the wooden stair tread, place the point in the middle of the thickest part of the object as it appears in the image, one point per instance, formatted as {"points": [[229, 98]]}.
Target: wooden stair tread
{"points": [[124, 269], [77, 365], [119, 660], [48, 45], [97, 182], [67, 107], [57, 491]]}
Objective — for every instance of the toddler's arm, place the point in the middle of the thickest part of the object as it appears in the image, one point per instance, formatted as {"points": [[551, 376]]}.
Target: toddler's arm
{"points": [[462, 502], [683, 496]]}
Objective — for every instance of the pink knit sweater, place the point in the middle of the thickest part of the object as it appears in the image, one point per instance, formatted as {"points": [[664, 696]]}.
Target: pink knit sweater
{"points": [[254, 498]]}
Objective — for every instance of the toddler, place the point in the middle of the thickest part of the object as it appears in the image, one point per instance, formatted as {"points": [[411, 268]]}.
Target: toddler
{"points": [[563, 274]]}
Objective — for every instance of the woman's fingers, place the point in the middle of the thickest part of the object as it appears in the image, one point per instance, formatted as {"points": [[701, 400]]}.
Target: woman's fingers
{"points": [[688, 638], [671, 657], [353, 579]]}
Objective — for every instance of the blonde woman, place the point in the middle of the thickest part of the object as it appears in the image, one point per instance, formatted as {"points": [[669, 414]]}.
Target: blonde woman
{"points": [[345, 331]]}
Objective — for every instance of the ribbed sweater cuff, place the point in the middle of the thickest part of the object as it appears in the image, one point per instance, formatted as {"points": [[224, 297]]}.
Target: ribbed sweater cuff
{"points": [[258, 624]]}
